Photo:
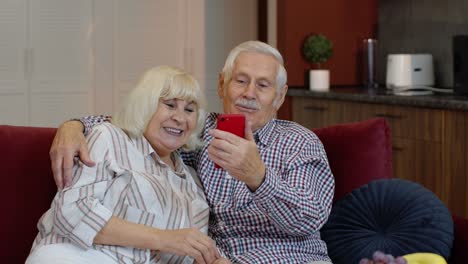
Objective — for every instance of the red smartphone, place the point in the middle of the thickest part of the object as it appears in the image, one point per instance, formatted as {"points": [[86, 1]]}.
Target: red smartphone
{"points": [[233, 123]]}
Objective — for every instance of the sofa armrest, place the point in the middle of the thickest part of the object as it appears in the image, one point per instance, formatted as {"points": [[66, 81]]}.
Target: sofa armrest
{"points": [[28, 187], [460, 243]]}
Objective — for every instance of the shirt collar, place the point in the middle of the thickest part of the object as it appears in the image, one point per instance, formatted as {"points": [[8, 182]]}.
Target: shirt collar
{"points": [[211, 120], [265, 134], [143, 145], [179, 169]]}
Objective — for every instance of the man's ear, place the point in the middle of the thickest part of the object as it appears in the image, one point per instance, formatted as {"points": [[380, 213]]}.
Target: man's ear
{"points": [[221, 85], [281, 96]]}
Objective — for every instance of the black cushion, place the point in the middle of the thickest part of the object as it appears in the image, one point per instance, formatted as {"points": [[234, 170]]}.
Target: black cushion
{"points": [[395, 216]]}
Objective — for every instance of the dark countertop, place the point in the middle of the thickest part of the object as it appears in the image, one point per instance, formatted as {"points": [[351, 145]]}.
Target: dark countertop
{"points": [[383, 96]]}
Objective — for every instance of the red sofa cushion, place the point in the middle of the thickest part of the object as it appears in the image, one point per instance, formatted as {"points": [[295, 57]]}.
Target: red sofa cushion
{"points": [[358, 153], [460, 243], [27, 187]]}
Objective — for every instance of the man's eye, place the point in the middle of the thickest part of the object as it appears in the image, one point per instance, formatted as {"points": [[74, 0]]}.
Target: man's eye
{"points": [[190, 110], [263, 84]]}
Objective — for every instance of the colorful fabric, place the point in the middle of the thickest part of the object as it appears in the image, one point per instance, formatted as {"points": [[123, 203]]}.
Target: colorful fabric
{"points": [[280, 221]]}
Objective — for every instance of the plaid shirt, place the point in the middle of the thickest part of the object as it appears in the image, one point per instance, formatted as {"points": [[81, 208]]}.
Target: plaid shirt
{"points": [[280, 221]]}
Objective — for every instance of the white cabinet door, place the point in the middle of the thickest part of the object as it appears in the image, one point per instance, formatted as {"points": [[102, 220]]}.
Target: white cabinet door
{"points": [[68, 58], [14, 108], [147, 33], [62, 60]]}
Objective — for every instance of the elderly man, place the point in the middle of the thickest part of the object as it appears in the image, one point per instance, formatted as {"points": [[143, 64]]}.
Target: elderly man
{"points": [[275, 188]]}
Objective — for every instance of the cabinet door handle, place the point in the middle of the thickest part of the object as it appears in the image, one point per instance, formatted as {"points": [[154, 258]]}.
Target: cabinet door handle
{"points": [[397, 149], [390, 116], [316, 108]]}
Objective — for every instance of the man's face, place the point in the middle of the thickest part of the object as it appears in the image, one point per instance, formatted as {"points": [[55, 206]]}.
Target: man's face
{"points": [[252, 90]]}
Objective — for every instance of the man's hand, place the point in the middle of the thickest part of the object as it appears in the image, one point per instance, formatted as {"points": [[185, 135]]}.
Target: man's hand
{"points": [[240, 157], [69, 142], [188, 242]]}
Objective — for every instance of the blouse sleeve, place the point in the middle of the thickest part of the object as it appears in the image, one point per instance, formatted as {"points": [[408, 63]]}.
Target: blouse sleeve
{"points": [[79, 211]]}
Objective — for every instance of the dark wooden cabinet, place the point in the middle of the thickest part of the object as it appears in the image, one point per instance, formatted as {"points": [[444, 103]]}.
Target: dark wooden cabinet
{"points": [[429, 145], [455, 159]]}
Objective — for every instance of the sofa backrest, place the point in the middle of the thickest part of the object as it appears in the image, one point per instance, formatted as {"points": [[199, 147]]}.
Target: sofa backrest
{"points": [[358, 153], [28, 187]]}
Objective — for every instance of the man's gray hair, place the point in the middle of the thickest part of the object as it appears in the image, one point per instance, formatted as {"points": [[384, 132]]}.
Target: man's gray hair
{"points": [[256, 47]]}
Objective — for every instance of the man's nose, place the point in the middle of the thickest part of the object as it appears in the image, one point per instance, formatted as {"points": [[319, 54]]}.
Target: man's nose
{"points": [[249, 91]]}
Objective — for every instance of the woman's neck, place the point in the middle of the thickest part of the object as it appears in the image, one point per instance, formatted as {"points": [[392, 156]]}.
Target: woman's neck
{"points": [[168, 160], [165, 156]]}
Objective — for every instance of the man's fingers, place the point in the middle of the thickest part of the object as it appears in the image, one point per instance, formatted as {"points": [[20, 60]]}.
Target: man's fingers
{"points": [[57, 171], [84, 156], [229, 137], [67, 169], [218, 156], [221, 146], [248, 131]]}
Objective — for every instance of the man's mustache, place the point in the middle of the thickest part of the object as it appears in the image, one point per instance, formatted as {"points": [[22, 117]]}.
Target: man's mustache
{"points": [[251, 104]]}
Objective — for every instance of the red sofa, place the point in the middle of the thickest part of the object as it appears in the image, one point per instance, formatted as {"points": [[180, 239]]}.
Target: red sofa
{"points": [[357, 152]]}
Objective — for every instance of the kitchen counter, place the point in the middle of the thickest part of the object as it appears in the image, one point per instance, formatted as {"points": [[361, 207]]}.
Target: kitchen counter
{"points": [[381, 95], [429, 142]]}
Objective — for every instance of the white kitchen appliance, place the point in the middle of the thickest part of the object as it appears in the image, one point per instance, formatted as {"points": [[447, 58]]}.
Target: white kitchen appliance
{"points": [[411, 74], [409, 71]]}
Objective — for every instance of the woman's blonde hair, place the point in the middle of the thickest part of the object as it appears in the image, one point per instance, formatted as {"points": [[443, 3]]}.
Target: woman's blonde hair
{"points": [[163, 82]]}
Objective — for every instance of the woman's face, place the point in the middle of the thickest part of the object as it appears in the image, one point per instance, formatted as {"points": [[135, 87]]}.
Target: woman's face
{"points": [[171, 125]]}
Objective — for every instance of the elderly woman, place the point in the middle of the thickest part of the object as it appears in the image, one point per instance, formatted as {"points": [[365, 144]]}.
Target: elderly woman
{"points": [[140, 203]]}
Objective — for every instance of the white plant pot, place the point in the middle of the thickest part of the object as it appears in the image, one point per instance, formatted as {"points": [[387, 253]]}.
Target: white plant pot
{"points": [[319, 80]]}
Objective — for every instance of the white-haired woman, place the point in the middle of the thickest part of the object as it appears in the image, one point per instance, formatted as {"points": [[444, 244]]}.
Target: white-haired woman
{"points": [[139, 203]]}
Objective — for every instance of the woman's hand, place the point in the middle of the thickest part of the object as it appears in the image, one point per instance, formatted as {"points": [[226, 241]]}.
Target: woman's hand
{"points": [[222, 261], [188, 242]]}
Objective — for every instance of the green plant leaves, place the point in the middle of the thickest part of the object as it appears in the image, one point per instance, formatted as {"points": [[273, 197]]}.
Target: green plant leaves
{"points": [[317, 48]]}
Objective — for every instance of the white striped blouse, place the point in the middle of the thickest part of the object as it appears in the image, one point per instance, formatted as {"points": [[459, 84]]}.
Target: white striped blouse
{"points": [[131, 182]]}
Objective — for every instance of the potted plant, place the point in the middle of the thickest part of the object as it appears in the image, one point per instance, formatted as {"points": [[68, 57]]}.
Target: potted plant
{"points": [[317, 49]]}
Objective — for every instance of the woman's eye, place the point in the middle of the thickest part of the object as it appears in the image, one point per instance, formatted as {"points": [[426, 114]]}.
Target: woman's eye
{"points": [[190, 110], [169, 104], [240, 81]]}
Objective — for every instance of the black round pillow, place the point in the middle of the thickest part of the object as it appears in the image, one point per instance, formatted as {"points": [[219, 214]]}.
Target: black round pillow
{"points": [[395, 216]]}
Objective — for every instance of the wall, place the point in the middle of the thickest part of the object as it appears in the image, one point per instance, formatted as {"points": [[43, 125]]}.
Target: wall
{"points": [[421, 26], [346, 23], [227, 23]]}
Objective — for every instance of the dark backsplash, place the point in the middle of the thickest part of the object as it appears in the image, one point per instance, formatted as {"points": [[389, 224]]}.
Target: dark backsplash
{"points": [[421, 26]]}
